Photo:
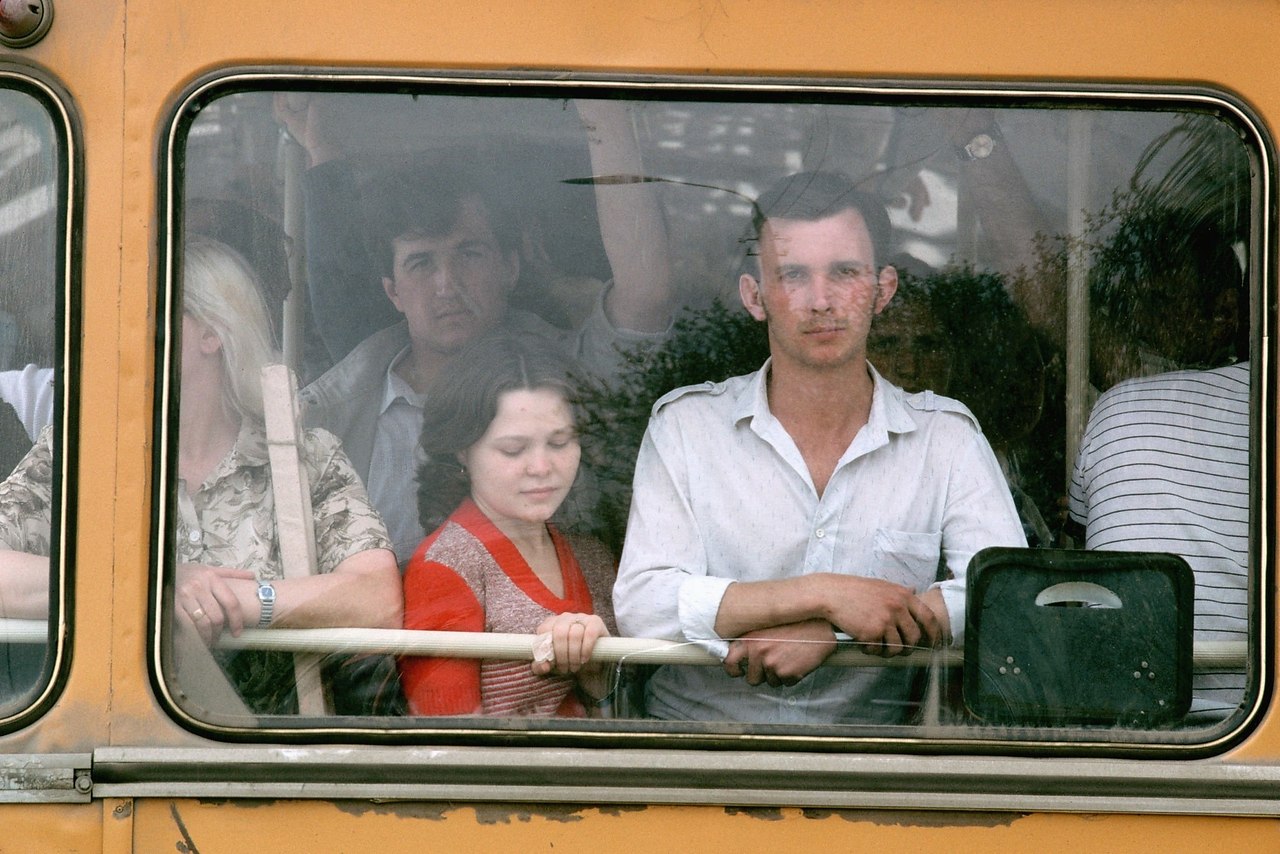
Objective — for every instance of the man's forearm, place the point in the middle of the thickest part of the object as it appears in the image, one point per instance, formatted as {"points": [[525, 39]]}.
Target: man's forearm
{"points": [[751, 605], [877, 613]]}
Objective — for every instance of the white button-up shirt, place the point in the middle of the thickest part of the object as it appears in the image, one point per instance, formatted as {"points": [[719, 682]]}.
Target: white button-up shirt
{"points": [[722, 494]]}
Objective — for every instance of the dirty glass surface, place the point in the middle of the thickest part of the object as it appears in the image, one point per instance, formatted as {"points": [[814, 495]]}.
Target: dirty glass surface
{"points": [[33, 224], [1059, 317]]}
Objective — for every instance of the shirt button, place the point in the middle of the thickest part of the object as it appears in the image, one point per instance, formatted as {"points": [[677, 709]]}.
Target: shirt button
{"points": [[791, 701], [194, 535], [820, 533]]}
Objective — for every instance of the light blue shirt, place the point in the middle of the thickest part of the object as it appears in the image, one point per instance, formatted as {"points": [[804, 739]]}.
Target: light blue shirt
{"points": [[393, 466]]}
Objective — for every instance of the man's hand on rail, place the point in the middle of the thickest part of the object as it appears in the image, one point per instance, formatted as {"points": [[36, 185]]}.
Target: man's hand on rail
{"points": [[885, 618], [309, 120], [782, 655]]}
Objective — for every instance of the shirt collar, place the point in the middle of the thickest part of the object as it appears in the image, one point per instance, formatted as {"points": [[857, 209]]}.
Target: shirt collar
{"points": [[395, 388], [753, 402], [250, 449], [889, 412]]}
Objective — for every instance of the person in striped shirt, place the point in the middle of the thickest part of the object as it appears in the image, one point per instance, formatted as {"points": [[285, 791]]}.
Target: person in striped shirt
{"points": [[1164, 462]]}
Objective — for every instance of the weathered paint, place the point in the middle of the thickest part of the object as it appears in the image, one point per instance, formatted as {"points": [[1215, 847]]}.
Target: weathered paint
{"points": [[321, 827]]}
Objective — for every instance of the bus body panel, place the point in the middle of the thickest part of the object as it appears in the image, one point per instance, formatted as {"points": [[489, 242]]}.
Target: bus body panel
{"points": [[126, 64]]}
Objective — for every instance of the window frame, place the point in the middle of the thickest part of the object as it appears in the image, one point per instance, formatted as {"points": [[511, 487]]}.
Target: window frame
{"points": [[645, 734], [68, 196]]}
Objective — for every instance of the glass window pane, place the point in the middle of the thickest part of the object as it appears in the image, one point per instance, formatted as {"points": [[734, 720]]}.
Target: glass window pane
{"points": [[530, 329], [33, 229]]}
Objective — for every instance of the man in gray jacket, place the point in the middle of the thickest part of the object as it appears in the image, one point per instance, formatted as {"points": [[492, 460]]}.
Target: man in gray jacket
{"points": [[450, 259]]}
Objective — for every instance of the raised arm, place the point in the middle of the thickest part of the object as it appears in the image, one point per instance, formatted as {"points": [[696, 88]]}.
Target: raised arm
{"points": [[631, 221], [343, 285]]}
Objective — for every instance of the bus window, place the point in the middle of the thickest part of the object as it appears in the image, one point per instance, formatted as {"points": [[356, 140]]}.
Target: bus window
{"points": [[1049, 313], [34, 243]]}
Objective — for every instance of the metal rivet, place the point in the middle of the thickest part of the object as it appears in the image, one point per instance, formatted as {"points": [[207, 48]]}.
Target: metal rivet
{"points": [[24, 22]]}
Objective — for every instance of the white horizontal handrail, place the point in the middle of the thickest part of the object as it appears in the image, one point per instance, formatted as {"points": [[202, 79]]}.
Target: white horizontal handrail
{"points": [[1208, 654], [24, 631], [514, 647]]}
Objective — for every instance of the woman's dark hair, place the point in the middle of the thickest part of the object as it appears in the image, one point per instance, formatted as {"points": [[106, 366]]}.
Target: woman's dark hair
{"points": [[463, 401]]}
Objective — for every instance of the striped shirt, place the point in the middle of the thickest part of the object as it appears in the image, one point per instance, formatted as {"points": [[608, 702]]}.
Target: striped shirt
{"points": [[1164, 467]]}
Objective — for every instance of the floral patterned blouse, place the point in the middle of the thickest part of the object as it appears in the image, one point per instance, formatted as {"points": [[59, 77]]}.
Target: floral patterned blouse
{"points": [[26, 500], [230, 521]]}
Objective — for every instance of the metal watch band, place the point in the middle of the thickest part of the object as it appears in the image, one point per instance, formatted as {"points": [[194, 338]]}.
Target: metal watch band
{"points": [[267, 601]]}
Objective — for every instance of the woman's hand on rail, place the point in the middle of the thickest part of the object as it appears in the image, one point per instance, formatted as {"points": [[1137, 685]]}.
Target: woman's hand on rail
{"points": [[571, 639], [206, 597]]}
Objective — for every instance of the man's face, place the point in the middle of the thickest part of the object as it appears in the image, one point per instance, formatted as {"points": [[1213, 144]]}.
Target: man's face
{"points": [[818, 289], [453, 287]]}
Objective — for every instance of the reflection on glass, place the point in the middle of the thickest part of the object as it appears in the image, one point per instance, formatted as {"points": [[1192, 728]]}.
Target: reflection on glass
{"points": [[787, 516]]}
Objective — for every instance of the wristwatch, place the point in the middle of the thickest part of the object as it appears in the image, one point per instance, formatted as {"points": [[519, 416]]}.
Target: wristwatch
{"points": [[980, 147], [267, 599]]}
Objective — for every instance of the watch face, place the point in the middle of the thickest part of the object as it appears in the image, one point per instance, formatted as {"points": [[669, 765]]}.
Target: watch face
{"points": [[980, 146]]}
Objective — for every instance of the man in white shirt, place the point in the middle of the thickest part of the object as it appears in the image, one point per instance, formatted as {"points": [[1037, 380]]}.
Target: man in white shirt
{"points": [[813, 497]]}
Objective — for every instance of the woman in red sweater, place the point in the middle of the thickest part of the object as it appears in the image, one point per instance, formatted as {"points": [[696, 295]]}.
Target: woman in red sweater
{"points": [[501, 452]]}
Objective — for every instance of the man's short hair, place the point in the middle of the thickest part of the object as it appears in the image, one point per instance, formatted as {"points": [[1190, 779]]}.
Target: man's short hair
{"points": [[811, 196], [426, 199]]}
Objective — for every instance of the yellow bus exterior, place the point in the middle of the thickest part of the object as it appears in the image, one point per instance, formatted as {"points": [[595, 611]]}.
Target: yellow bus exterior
{"points": [[123, 65]]}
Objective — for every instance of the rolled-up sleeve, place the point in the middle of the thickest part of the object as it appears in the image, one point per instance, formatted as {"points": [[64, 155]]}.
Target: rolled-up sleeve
{"points": [[604, 348], [663, 589], [979, 513]]}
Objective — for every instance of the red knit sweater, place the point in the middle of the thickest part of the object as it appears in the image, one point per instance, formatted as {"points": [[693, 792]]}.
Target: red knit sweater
{"points": [[468, 577]]}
